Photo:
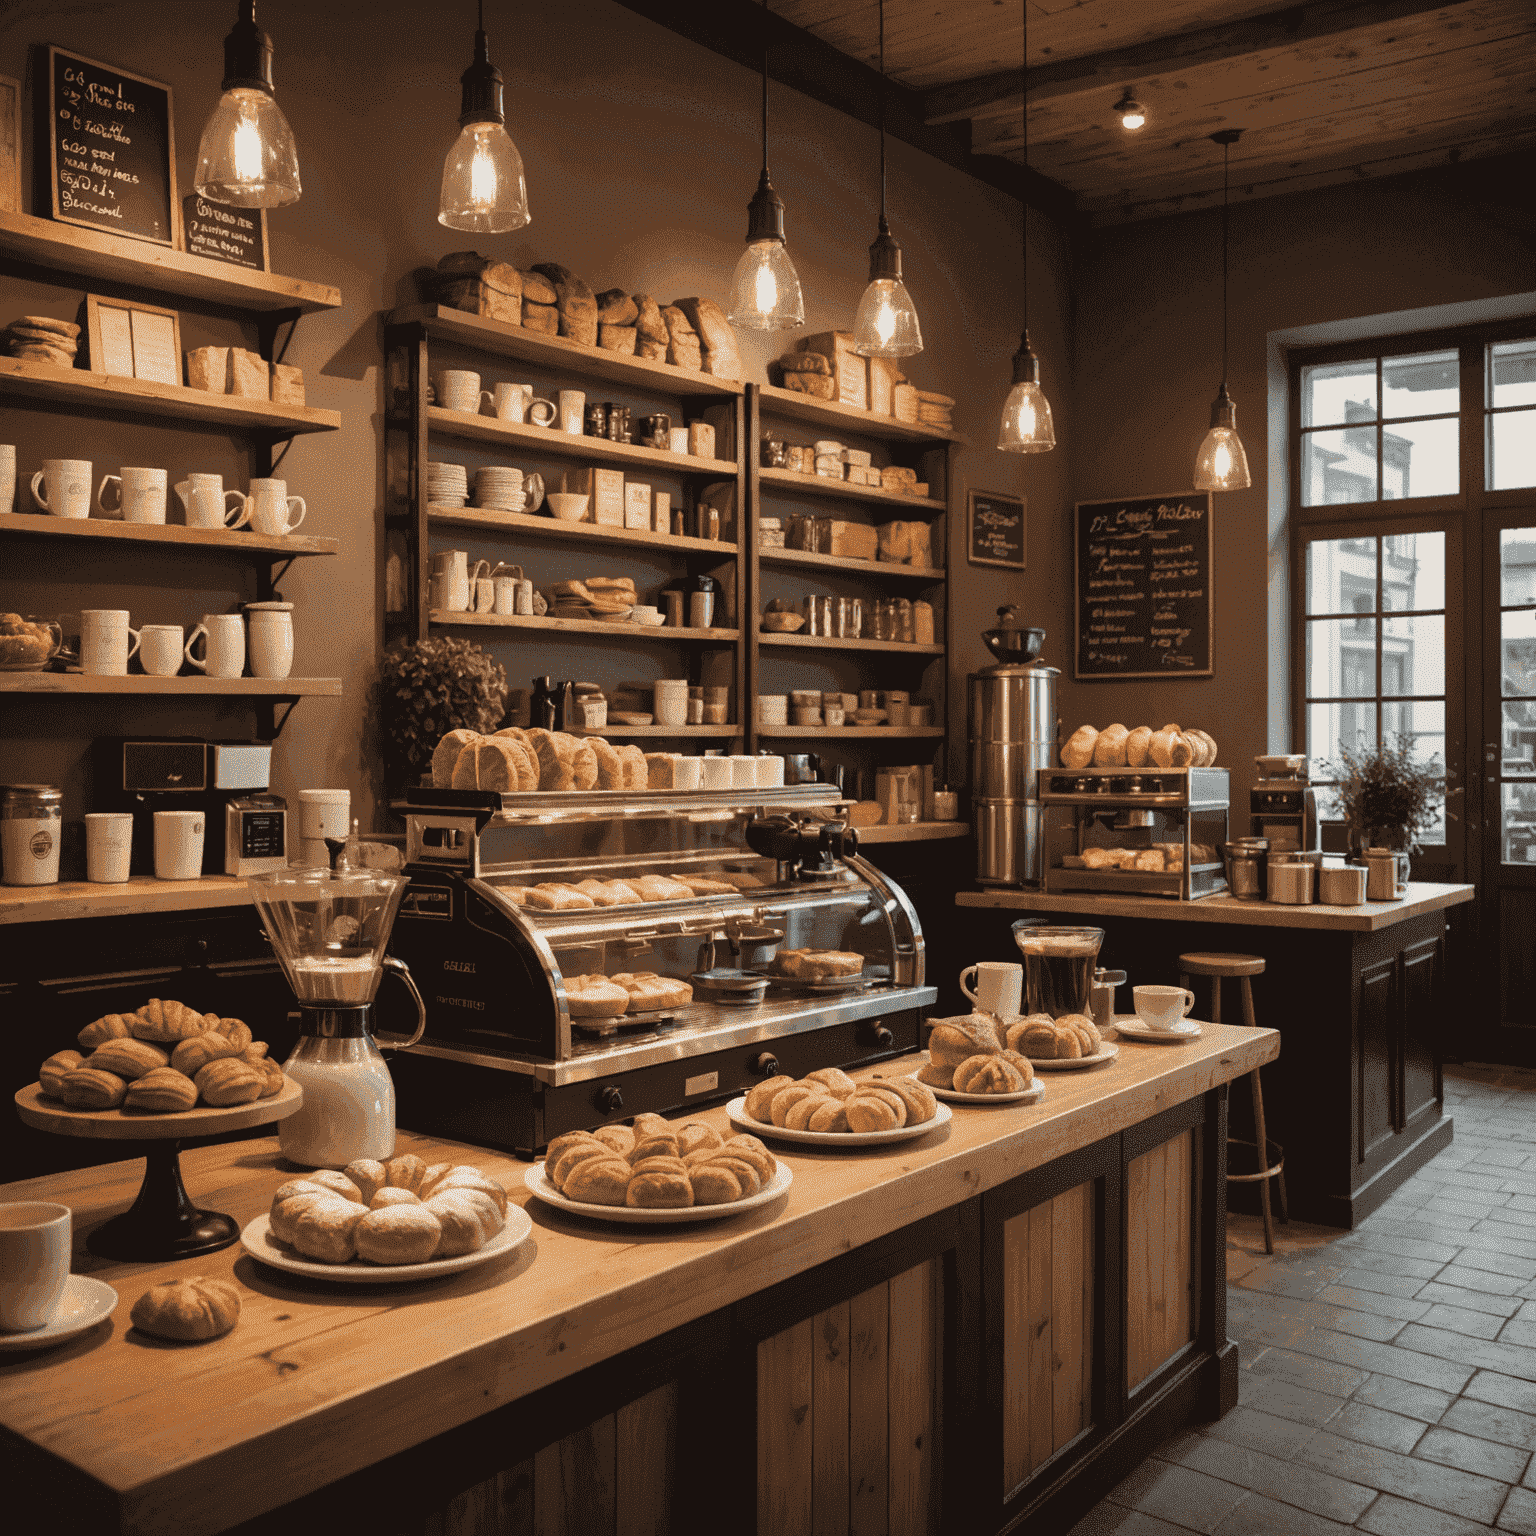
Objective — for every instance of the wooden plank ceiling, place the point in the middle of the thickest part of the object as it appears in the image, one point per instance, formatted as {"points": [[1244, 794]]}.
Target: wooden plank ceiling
{"points": [[1325, 92]]}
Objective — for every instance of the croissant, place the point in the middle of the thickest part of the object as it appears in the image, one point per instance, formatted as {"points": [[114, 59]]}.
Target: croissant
{"points": [[195, 1052], [111, 1026], [50, 1076], [128, 1058], [166, 1020], [90, 1088], [229, 1081], [162, 1090], [191, 1310], [272, 1079], [236, 1031]]}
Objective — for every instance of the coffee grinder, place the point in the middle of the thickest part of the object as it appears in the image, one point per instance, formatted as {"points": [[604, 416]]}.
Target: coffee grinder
{"points": [[1283, 805]]}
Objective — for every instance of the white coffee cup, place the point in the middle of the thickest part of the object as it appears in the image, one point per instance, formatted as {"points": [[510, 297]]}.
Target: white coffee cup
{"points": [[67, 483], [717, 772], [509, 402], [671, 701], [223, 636], [140, 495], [999, 987], [178, 845], [688, 773], [206, 502], [770, 772], [105, 637], [1163, 1007], [743, 772], [458, 390], [35, 1238], [7, 478], [573, 409], [270, 508], [542, 412], [109, 844], [160, 649], [271, 638]]}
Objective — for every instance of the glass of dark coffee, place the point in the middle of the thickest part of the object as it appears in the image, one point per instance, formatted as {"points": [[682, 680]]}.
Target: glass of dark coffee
{"points": [[1058, 968]]}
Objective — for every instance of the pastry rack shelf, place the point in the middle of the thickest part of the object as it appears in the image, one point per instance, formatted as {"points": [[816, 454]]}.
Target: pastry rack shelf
{"points": [[848, 418], [144, 397], [137, 683], [717, 732], [93, 253], [914, 832], [824, 485], [559, 352], [858, 732], [71, 899], [558, 529], [529, 438], [885, 569], [838, 643], [625, 631], [236, 541]]}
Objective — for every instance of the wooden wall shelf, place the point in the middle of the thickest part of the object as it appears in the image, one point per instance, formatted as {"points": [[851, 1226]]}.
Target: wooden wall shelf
{"points": [[884, 569], [823, 485], [715, 732], [827, 413], [854, 732], [836, 643], [530, 439], [234, 541], [141, 397], [71, 899], [495, 336], [622, 634], [492, 521], [914, 832], [184, 687], [93, 253]]}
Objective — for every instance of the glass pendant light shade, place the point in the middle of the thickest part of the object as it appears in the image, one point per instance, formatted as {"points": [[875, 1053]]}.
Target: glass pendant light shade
{"points": [[1027, 424], [886, 322], [1221, 464], [247, 157], [765, 290], [483, 186]]}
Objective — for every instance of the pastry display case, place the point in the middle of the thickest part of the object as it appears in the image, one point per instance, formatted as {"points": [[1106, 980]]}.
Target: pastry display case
{"points": [[750, 936]]}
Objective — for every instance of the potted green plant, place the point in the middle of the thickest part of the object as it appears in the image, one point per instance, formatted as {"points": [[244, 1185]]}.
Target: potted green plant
{"points": [[428, 688], [1388, 798]]}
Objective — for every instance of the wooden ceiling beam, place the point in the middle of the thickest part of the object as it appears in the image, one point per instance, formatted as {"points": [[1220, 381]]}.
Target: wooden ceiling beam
{"points": [[991, 94]]}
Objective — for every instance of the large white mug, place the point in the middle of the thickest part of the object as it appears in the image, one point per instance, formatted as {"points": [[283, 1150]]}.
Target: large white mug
{"points": [[67, 483], [223, 635], [160, 649], [178, 845], [34, 1262], [108, 846], [671, 701], [458, 389], [1163, 1007], [271, 508], [140, 495], [999, 987], [573, 410], [271, 640], [7, 477], [207, 502], [509, 402], [105, 637]]}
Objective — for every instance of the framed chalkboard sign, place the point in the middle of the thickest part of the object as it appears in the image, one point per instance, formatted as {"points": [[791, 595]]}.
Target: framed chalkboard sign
{"points": [[111, 150], [235, 235], [1143, 586], [995, 533]]}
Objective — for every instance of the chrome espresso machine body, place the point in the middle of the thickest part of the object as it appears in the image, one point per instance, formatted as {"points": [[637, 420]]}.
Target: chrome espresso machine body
{"points": [[504, 1063]]}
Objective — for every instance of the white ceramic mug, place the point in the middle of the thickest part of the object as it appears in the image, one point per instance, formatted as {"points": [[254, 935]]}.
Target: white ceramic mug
{"points": [[458, 390], [34, 1262], [67, 483], [542, 412], [770, 772], [270, 508], [179, 845], [743, 771], [573, 410], [271, 638], [671, 701], [509, 402], [109, 845], [1163, 1007], [140, 495], [223, 636], [160, 649], [717, 772], [106, 642], [999, 987], [206, 502], [7, 478], [688, 773]]}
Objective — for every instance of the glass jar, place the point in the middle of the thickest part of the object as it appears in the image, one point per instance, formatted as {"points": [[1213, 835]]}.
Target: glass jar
{"points": [[31, 821], [903, 622]]}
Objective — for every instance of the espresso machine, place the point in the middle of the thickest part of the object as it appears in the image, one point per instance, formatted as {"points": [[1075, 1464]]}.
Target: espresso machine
{"points": [[1283, 805]]}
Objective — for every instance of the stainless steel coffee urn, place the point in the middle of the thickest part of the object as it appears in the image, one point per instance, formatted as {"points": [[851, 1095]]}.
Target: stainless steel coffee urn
{"points": [[1013, 732]]}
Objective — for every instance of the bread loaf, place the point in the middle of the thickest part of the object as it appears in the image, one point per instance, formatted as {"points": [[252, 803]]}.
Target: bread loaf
{"points": [[1109, 747], [1137, 745], [1078, 751], [651, 330], [574, 302], [718, 341], [683, 347]]}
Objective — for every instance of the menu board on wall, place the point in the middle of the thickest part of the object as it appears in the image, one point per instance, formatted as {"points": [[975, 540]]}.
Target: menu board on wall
{"points": [[111, 149], [237, 235], [1143, 585], [996, 533]]}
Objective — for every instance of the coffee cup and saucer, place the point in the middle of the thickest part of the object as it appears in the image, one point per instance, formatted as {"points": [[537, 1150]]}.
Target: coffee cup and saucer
{"points": [[1161, 1015], [41, 1302]]}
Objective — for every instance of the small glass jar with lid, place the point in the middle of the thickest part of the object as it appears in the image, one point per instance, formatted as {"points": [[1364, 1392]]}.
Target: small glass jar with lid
{"points": [[31, 821]]}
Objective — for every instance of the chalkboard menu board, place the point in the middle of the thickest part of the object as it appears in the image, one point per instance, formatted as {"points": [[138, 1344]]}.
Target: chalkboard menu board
{"points": [[995, 534], [237, 235], [111, 149], [1144, 587]]}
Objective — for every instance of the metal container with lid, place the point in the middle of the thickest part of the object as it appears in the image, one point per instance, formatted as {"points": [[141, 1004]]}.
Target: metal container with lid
{"points": [[1246, 858], [1290, 880], [31, 821], [1386, 875]]}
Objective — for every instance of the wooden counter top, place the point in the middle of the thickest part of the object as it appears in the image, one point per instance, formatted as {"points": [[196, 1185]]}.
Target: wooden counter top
{"points": [[320, 1380], [1423, 896], [143, 893]]}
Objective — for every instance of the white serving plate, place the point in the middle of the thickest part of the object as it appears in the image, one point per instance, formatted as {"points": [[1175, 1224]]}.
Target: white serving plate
{"points": [[257, 1240], [538, 1184], [1030, 1095], [737, 1111], [1071, 1064], [85, 1303], [1180, 1034]]}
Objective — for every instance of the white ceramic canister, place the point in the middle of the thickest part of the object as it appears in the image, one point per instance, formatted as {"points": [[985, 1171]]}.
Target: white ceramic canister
{"points": [[31, 821], [271, 638]]}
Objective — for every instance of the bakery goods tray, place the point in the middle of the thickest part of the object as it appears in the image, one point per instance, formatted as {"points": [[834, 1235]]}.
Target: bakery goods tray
{"points": [[737, 1111], [541, 1188]]}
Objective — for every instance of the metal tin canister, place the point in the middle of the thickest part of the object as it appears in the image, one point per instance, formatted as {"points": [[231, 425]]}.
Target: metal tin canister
{"points": [[1246, 858], [31, 822]]}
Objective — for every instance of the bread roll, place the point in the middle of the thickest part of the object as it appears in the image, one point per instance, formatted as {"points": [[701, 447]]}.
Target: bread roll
{"points": [[462, 1178], [388, 1196], [397, 1234], [290, 1199], [405, 1172], [89, 1088], [192, 1055], [921, 1104], [829, 1115], [988, 1074], [834, 1080], [598, 1181], [1109, 747], [324, 1229], [189, 1310], [750, 1150], [129, 1058], [50, 1076], [369, 1177], [721, 1183], [761, 1097], [659, 1189], [447, 755], [1137, 745], [870, 1112], [1078, 751], [954, 1040], [560, 1170], [617, 1138], [697, 1138], [162, 1091], [1208, 746], [799, 1117], [468, 1219], [1160, 748]]}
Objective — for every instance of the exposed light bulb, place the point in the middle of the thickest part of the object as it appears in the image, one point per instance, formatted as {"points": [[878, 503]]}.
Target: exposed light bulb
{"points": [[1222, 464], [886, 322], [1132, 114], [483, 188], [1027, 425], [765, 288], [766, 297]]}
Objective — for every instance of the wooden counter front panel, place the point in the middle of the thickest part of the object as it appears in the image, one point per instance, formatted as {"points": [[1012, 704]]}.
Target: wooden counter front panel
{"points": [[847, 1414], [1160, 1244], [1048, 1330]]}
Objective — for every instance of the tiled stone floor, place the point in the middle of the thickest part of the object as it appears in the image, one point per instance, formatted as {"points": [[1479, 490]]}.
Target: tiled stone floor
{"points": [[1388, 1379]]}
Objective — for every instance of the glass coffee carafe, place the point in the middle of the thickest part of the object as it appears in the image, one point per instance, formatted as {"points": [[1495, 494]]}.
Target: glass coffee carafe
{"points": [[329, 931], [1058, 967]]}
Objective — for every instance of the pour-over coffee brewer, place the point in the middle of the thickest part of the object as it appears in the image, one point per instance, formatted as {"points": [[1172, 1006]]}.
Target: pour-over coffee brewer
{"points": [[329, 930]]}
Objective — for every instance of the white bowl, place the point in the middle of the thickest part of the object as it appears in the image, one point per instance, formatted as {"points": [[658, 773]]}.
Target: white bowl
{"points": [[569, 509]]}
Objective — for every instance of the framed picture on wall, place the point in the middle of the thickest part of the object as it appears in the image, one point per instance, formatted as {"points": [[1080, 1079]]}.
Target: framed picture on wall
{"points": [[995, 529], [132, 340], [10, 145]]}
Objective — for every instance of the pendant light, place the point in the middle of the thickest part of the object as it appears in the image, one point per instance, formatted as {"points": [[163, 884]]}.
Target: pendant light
{"points": [[886, 323], [1221, 464], [1027, 425], [483, 188], [765, 292], [246, 156], [1132, 114]]}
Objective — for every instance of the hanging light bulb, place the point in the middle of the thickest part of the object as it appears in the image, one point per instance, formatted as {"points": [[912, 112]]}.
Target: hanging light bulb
{"points": [[1027, 426], [886, 322], [1221, 464], [1132, 114], [483, 188], [765, 290], [246, 156]]}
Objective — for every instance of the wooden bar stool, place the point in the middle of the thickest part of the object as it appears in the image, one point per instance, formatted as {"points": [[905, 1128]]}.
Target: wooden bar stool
{"points": [[1243, 967]]}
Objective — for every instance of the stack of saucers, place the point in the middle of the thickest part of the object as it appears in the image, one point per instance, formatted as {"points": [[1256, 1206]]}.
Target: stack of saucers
{"points": [[447, 484], [500, 487]]}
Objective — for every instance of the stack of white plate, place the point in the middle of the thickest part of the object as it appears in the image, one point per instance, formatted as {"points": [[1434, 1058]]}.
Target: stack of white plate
{"points": [[447, 484], [500, 487]]}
